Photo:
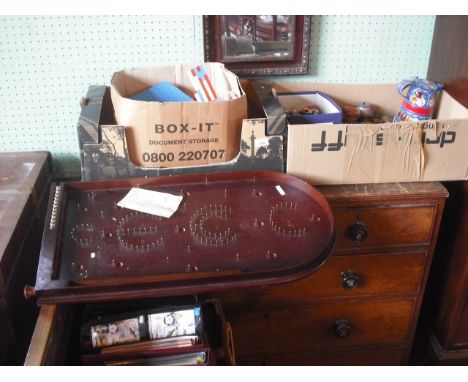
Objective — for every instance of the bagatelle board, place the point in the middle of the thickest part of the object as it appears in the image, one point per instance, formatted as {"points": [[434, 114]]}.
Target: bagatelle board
{"points": [[231, 230]]}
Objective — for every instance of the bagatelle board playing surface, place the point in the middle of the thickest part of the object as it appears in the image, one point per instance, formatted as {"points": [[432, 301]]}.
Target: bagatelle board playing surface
{"points": [[231, 230]]}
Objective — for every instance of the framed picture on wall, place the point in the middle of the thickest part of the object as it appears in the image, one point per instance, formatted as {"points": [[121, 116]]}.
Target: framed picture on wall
{"points": [[258, 45]]}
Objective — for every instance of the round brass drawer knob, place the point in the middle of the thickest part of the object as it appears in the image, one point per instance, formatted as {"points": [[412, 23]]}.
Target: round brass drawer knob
{"points": [[342, 328], [351, 280], [357, 232]]}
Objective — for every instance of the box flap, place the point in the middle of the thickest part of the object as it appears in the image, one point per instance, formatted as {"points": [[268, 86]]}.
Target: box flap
{"points": [[272, 108]]}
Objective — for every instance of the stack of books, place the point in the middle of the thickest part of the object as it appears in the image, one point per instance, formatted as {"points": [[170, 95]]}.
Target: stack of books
{"points": [[157, 337]]}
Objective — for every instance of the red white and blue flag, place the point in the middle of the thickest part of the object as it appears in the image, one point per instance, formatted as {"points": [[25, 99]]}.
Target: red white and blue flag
{"points": [[204, 90]]}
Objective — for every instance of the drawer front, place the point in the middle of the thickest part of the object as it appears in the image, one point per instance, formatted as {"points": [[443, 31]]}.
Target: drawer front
{"points": [[372, 357], [339, 325], [385, 226], [342, 276], [52, 335]]}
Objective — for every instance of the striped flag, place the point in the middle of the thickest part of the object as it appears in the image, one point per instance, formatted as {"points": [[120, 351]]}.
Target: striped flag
{"points": [[204, 90]]}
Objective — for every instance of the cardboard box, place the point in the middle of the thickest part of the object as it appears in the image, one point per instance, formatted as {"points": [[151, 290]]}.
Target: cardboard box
{"points": [[175, 134], [104, 149], [378, 153]]}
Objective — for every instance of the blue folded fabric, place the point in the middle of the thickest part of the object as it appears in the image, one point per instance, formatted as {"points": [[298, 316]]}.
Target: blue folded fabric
{"points": [[163, 92]]}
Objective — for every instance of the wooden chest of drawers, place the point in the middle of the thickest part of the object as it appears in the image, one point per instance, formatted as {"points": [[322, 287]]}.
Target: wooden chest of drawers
{"points": [[362, 306], [359, 308], [24, 188]]}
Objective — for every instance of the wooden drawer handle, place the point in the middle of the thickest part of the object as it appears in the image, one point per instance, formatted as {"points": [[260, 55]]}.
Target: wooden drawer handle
{"points": [[342, 328], [350, 279], [357, 232], [29, 292]]}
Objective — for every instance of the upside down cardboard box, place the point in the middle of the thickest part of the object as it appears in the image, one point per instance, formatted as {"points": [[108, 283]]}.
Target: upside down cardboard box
{"points": [[377, 153], [178, 134], [104, 148]]}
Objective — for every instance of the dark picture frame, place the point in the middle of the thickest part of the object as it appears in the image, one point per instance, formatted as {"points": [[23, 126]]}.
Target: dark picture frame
{"points": [[244, 46]]}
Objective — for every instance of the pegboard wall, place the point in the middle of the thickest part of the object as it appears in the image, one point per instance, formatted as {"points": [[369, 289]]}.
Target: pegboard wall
{"points": [[48, 62], [368, 49]]}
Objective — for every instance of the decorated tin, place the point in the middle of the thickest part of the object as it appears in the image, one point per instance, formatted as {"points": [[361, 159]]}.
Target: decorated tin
{"points": [[418, 102]]}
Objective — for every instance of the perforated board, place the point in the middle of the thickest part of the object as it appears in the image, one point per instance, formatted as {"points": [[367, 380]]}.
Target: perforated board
{"points": [[368, 49], [48, 62]]}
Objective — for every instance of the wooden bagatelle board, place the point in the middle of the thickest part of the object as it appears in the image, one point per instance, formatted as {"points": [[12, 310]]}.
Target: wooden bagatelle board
{"points": [[231, 230]]}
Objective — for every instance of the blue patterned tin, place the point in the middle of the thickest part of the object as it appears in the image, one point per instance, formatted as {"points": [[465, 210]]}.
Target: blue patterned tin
{"points": [[418, 102]]}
